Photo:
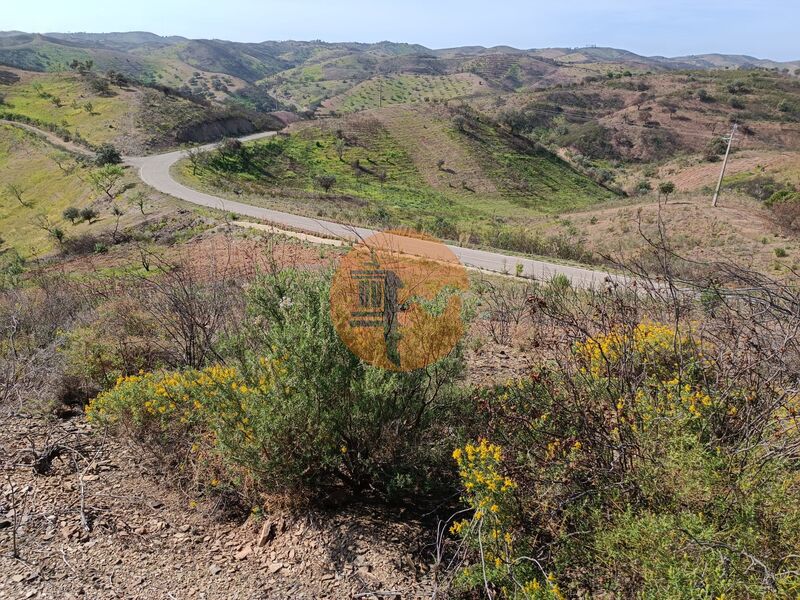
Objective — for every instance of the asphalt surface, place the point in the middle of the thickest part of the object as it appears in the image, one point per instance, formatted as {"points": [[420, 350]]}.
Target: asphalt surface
{"points": [[155, 172]]}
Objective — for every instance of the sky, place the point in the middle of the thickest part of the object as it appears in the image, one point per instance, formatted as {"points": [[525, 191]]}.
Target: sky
{"points": [[761, 28]]}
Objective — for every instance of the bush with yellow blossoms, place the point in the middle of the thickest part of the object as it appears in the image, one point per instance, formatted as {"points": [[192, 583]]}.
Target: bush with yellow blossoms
{"points": [[627, 446], [489, 530]]}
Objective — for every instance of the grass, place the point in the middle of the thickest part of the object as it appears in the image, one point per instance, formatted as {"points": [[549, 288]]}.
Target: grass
{"points": [[25, 162], [34, 97]]}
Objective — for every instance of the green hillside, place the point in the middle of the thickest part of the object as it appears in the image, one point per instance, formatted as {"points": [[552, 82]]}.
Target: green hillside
{"points": [[479, 180], [27, 164]]}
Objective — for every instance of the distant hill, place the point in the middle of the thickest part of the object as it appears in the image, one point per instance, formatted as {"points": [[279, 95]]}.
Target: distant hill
{"points": [[252, 61], [322, 78]]}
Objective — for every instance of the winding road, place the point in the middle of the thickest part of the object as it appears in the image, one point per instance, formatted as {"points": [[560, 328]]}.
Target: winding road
{"points": [[155, 172]]}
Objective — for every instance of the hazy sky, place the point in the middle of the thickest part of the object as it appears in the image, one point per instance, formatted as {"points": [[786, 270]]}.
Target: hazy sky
{"points": [[763, 28]]}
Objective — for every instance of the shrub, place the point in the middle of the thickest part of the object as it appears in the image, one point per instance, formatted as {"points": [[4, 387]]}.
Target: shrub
{"points": [[326, 182], [300, 412], [629, 445], [704, 96], [643, 187], [88, 214], [107, 154], [737, 103]]}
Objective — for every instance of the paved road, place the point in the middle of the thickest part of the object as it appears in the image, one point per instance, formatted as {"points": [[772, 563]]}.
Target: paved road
{"points": [[155, 171]]}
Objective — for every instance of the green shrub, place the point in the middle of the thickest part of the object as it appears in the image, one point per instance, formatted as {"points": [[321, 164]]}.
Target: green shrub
{"points": [[107, 154], [300, 413]]}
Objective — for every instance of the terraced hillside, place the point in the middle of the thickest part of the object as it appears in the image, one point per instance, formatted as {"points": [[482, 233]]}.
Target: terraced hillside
{"points": [[305, 74], [68, 101], [405, 89]]}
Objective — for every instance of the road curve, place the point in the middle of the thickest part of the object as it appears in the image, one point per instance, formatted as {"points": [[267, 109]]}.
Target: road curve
{"points": [[155, 172]]}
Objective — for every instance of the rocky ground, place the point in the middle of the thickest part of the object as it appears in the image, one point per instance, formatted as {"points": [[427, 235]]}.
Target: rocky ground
{"points": [[96, 519]]}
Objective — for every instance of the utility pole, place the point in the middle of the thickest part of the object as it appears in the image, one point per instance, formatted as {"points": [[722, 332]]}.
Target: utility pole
{"points": [[724, 164]]}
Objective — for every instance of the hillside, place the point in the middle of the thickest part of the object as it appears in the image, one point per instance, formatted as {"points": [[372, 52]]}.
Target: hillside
{"points": [[98, 108], [202, 398], [625, 127], [445, 170], [36, 190]]}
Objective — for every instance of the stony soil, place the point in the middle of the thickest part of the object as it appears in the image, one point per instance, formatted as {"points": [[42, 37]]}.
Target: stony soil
{"points": [[104, 521]]}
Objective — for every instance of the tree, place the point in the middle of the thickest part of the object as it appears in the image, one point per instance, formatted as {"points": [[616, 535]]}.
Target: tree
{"points": [[89, 108], [89, 214], [12, 189], [382, 176], [230, 147], [117, 212], [107, 154], [666, 188], [139, 199], [704, 96], [326, 182], [340, 146], [64, 161], [197, 158], [514, 74], [71, 214], [105, 179], [58, 235]]}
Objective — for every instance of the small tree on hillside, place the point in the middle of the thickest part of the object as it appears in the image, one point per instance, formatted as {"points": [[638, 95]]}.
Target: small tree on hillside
{"points": [[197, 158], [105, 179], [59, 235], [139, 200], [89, 214], [666, 188], [326, 182], [340, 145], [117, 212], [71, 214], [230, 148], [17, 192]]}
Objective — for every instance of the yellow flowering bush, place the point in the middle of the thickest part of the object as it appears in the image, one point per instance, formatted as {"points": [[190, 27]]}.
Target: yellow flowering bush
{"points": [[650, 347], [488, 493]]}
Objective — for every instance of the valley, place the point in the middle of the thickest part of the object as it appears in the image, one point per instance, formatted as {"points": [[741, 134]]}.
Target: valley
{"points": [[184, 416]]}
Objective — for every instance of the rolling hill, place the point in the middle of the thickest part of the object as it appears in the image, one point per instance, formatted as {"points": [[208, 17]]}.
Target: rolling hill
{"points": [[305, 74]]}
